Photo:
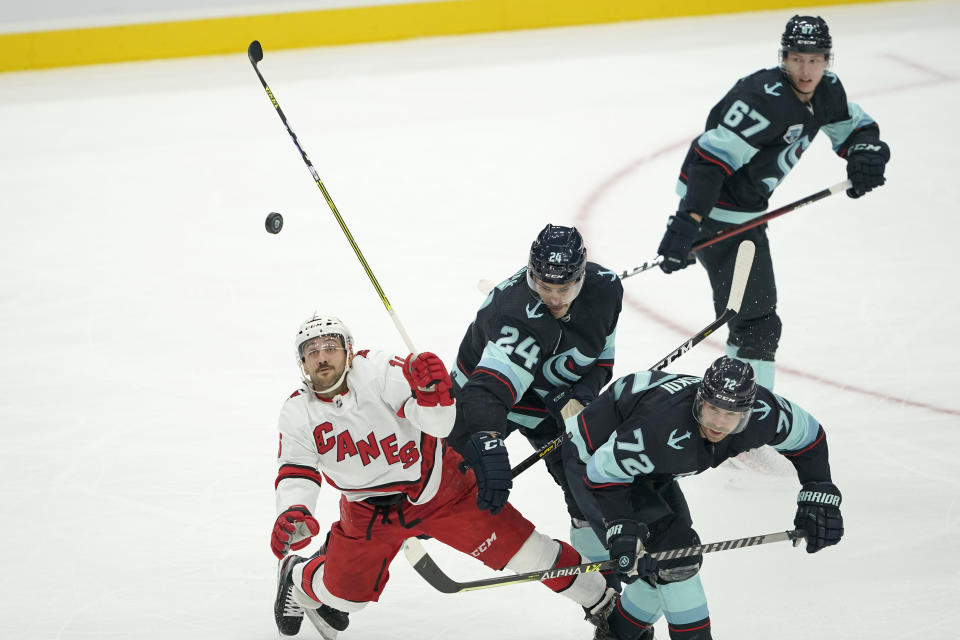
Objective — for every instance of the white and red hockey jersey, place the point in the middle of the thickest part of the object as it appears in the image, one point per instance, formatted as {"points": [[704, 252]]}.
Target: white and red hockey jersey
{"points": [[372, 440]]}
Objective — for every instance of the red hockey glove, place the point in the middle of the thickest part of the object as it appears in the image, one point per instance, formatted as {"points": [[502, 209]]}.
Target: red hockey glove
{"points": [[293, 530], [428, 379]]}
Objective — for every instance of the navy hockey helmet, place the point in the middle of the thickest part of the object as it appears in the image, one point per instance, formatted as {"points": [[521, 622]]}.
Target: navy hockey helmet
{"points": [[806, 34], [730, 386], [558, 256]]}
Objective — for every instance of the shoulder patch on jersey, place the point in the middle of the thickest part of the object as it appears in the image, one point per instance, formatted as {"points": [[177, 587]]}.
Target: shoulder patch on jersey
{"points": [[363, 353], [793, 133], [295, 393]]}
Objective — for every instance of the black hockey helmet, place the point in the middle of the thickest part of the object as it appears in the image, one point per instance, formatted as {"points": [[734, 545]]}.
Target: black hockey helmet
{"points": [[806, 34], [730, 385], [557, 256]]}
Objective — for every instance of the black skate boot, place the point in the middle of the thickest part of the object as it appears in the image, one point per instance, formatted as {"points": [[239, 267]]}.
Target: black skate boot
{"points": [[286, 611], [337, 619], [328, 621]]}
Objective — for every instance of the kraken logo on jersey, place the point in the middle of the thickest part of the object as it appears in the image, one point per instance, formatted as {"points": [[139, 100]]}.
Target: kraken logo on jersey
{"points": [[560, 370], [787, 159]]}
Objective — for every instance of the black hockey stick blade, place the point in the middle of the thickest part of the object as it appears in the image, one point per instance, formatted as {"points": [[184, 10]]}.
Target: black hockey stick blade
{"points": [[430, 572], [255, 52]]}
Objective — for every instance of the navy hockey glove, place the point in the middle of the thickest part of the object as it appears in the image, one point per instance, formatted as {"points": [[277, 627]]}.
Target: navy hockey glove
{"points": [[625, 540], [818, 513], [486, 454], [428, 379], [677, 242], [561, 404], [293, 530], [865, 164]]}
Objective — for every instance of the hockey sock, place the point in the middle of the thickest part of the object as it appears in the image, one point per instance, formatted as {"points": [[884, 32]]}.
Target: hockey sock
{"points": [[638, 609], [765, 370], [685, 608]]}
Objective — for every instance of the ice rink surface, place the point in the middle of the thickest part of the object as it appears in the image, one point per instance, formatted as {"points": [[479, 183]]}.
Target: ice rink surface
{"points": [[148, 318]]}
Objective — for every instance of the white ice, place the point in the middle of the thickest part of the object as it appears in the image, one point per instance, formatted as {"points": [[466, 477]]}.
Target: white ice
{"points": [[148, 318]]}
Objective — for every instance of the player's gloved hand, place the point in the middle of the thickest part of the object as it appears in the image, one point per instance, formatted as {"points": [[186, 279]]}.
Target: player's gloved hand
{"points": [[818, 513], [866, 162], [561, 404], [625, 540], [486, 454], [677, 242], [293, 530], [428, 379]]}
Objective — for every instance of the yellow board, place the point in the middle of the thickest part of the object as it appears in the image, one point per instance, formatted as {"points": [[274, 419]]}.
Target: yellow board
{"points": [[68, 47]]}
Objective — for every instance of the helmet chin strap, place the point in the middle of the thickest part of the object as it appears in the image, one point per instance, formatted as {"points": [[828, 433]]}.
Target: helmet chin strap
{"points": [[334, 386]]}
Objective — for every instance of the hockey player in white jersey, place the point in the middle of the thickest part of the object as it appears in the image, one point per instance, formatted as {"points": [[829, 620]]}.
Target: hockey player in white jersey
{"points": [[371, 426]]}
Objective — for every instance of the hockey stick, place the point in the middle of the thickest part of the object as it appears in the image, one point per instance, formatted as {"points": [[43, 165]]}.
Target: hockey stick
{"points": [[741, 271], [428, 569], [255, 53], [740, 228]]}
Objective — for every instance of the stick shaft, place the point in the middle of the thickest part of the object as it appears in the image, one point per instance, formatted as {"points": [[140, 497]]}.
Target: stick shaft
{"points": [[254, 59], [428, 569], [756, 222]]}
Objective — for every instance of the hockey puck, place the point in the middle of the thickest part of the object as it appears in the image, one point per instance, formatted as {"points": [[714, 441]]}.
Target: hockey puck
{"points": [[274, 222]]}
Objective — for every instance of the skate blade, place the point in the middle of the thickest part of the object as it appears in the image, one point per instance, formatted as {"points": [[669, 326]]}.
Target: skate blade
{"points": [[326, 631]]}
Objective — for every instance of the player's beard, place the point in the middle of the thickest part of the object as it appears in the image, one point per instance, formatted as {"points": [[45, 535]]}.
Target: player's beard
{"points": [[325, 376]]}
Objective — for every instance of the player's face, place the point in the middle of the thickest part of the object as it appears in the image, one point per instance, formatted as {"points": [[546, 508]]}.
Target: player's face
{"points": [[557, 297], [716, 423], [324, 359], [805, 70]]}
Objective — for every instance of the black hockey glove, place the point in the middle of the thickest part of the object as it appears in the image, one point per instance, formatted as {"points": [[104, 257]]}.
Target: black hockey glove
{"points": [[865, 164], [625, 540], [486, 454], [677, 242], [818, 513]]}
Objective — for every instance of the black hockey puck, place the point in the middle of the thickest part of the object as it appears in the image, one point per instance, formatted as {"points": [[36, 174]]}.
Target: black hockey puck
{"points": [[274, 222]]}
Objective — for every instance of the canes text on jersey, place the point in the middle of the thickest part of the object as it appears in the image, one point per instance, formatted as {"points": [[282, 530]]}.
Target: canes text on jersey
{"points": [[368, 448]]}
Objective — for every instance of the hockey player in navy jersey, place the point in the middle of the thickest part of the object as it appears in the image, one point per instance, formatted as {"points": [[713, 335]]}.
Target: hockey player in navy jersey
{"points": [[624, 454], [370, 425], [754, 136], [540, 348]]}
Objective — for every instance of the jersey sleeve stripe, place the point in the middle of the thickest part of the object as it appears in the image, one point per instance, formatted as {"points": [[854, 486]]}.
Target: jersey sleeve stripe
{"points": [[603, 485], [603, 467], [839, 132], [725, 148], [803, 430], [496, 375], [298, 471], [820, 436]]}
